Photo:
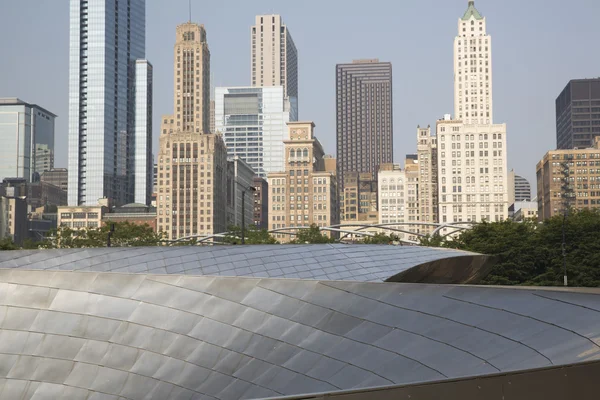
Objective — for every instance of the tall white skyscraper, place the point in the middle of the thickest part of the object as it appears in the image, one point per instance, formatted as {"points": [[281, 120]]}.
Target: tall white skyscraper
{"points": [[473, 69], [472, 167], [274, 55], [107, 38]]}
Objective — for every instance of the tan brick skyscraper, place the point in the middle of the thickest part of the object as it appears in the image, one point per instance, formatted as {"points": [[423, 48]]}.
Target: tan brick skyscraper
{"points": [[192, 163]]}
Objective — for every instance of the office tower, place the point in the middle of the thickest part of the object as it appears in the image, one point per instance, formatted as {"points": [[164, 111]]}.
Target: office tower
{"points": [[107, 38], [274, 55], [580, 192], [411, 171], [428, 181], [392, 189], [472, 167], [240, 184], [143, 161], [304, 193], [13, 209], [473, 69], [261, 203], [192, 163], [253, 122], [358, 199], [364, 116], [578, 114], [27, 137], [57, 177], [519, 189]]}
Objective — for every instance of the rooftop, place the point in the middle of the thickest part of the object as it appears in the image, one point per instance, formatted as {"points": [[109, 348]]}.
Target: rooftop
{"points": [[471, 12]]}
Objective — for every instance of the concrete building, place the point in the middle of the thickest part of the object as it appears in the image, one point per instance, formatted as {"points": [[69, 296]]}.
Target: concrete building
{"points": [[261, 203], [212, 126], [413, 207], [107, 38], [364, 121], [240, 199], [274, 56], [192, 163], [81, 217], [27, 137], [428, 178], [330, 163], [142, 159], [582, 169], [392, 189], [137, 214], [578, 114], [58, 177], [473, 69], [358, 199], [40, 194], [13, 209], [519, 189], [304, 193], [523, 211], [253, 122]]}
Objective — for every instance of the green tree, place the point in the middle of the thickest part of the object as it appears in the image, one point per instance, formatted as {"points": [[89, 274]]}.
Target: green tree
{"points": [[312, 235], [381, 238], [125, 234], [253, 235], [7, 244]]}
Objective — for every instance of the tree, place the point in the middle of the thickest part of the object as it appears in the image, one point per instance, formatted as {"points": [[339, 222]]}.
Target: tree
{"points": [[125, 234], [312, 235], [7, 244], [381, 238], [253, 236]]}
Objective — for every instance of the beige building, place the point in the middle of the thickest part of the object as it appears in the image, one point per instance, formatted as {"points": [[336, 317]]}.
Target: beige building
{"points": [[81, 217], [411, 171], [392, 189], [192, 163], [473, 69], [358, 200], [274, 55], [303, 194], [428, 178], [523, 211], [582, 167]]}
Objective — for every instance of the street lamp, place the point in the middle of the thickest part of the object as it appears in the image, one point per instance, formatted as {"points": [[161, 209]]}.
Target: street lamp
{"points": [[253, 189], [110, 232]]}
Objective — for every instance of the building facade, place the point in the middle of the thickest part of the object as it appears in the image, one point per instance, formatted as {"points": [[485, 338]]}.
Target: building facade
{"points": [[274, 55], [107, 38], [578, 114], [519, 189], [253, 122], [136, 214], [82, 217], [392, 189], [57, 177], [304, 193], [13, 210], [523, 211], [358, 199], [27, 136], [142, 169], [568, 178], [364, 122], [192, 163], [261, 203], [473, 69], [240, 188], [428, 198], [413, 207]]}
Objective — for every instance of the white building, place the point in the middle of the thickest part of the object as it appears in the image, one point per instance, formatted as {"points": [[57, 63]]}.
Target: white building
{"points": [[473, 69], [392, 188], [253, 122]]}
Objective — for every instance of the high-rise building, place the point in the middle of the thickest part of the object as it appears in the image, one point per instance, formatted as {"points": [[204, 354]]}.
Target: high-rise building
{"points": [[519, 189], [57, 177], [472, 167], [582, 190], [261, 203], [364, 117], [13, 210], [358, 199], [428, 182], [578, 114], [253, 122], [304, 193], [473, 69], [212, 126], [27, 137], [240, 199], [192, 163], [392, 189], [107, 38], [142, 169], [274, 55], [411, 171]]}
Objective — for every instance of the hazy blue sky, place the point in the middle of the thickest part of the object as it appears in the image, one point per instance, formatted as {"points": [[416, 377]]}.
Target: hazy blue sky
{"points": [[538, 45]]}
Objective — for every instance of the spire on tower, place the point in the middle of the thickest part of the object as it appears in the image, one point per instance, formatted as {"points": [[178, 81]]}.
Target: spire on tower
{"points": [[471, 12]]}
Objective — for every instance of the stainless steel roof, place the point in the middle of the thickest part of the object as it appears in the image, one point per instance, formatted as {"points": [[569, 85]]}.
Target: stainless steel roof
{"points": [[369, 263], [91, 335]]}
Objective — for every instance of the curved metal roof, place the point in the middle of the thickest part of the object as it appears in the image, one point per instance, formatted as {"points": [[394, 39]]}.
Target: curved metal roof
{"points": [[369, 263], [82, 335]]}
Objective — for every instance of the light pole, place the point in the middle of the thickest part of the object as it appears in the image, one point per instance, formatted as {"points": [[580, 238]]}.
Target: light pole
{"points": [[251, 188], [566, 193], [110, 232]]}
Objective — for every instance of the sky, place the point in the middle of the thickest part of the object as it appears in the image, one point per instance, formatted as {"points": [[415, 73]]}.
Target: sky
{"points": [[538, 45]]}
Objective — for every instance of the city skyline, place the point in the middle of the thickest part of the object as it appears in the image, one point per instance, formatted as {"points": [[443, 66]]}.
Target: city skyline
{"points": [[425, 80]]}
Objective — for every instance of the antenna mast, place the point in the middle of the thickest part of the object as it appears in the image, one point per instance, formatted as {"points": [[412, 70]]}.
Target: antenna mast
{"points": [[190, 10]]}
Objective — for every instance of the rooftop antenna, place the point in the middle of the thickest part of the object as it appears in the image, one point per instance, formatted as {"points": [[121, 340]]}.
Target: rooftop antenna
{"points": [[190, 1]]}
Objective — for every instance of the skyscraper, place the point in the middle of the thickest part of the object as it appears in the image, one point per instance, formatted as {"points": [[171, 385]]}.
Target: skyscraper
{"points": [[519, 189], [27, 137], [274, 55], [578, 114], [473, 69], [142, 170], [107, 38], [364, 117], [192, 162], [428, 177]]}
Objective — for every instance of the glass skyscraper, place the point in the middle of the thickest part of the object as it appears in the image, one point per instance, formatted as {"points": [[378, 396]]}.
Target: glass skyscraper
{"points": [[253, 122], [107, 38]]}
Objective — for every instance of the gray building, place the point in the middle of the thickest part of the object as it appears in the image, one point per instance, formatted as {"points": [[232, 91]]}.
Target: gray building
{"points": [[522, 189], [27, 137], [253, 122], [578, 114], [107, 38], [57, 177], [364, 116], [261, 203]]}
